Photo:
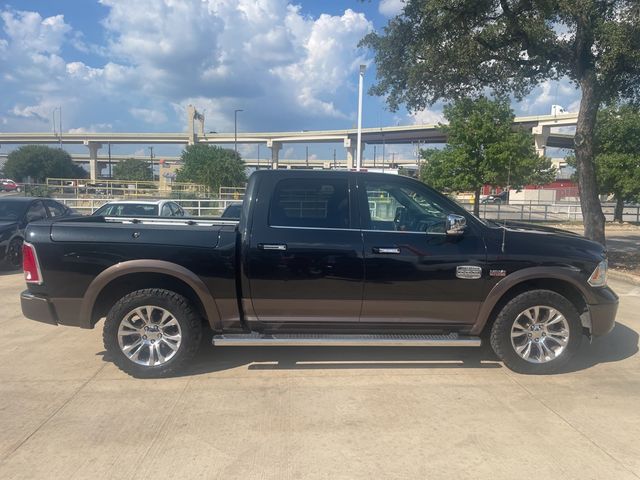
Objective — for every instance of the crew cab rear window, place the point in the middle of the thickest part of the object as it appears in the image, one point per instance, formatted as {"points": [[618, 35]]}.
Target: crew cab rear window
{"points": [[319, 203]]}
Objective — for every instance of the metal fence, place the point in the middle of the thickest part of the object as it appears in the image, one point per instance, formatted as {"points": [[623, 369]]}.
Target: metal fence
{"points": [[528, 212], [561, 212]]}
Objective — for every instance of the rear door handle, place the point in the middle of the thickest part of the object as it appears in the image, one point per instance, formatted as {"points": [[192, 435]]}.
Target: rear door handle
{"points": [[273, 246], [387, 250]]}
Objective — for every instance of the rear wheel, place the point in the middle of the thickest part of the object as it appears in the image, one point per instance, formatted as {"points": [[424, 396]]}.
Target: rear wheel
{"points": [[152, 333], [537, 332]]}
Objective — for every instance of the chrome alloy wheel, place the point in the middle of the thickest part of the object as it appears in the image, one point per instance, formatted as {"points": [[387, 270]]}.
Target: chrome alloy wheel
{"points": [[539, 334], [149, 335]]}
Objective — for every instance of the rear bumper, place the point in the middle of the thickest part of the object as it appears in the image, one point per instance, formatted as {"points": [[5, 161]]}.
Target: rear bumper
{"points": [[62, 311], [603, 313]]}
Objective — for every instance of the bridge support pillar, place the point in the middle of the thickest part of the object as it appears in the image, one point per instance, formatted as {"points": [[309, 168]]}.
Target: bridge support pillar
{"points": [[351, 152], [93, 159], [352, 148], [275, 151], [540, 136]]}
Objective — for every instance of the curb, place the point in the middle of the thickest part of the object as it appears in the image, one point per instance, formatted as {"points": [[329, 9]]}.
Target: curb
{"points": [[624, 276]]}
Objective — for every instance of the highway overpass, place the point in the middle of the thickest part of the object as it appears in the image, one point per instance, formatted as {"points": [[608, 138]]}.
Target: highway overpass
{"points": [[541, 126]]}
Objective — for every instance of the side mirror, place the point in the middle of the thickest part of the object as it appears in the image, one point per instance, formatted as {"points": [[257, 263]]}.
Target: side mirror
{"points": [[456, 224]]}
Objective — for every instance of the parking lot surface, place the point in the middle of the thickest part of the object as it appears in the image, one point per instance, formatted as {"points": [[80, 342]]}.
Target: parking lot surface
{"points": [[334, 413]]}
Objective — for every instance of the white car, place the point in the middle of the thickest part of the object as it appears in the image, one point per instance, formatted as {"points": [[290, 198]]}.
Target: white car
{"points": [[140, 208]]}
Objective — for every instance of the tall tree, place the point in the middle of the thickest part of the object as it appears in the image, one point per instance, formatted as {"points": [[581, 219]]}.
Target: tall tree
{"points": [[443, 49], [618, 154], [133, 169], [212, 166], [484, 149], [39, 162]]}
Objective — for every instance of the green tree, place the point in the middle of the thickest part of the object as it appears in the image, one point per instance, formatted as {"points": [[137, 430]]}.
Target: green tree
{"points": [[617, 142], [39, 162], [483, 149], [212, 166], [444, 49], [133, 169]]}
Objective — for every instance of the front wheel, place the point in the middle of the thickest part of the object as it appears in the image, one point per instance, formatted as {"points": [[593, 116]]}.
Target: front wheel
{"points": [[537, 332], [152, 333]]}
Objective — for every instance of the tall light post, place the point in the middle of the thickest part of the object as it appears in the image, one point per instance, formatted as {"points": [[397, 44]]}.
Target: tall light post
{"points": [[359, 146], [53, 120], [235, 130], [153, 177]]}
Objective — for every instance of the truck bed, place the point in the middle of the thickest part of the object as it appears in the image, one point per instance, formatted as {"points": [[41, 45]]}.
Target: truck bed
{"points": [[73, 252]]}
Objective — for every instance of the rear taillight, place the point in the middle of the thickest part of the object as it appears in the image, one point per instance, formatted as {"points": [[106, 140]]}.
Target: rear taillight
{"points": [[30, 264]]}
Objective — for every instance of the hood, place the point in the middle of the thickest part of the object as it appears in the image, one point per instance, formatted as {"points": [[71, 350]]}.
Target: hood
{"points": [[528, 227], [547, 243]]}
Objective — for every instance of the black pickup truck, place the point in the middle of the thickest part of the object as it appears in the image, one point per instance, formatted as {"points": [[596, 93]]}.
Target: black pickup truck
{"points": [[321, 258]]}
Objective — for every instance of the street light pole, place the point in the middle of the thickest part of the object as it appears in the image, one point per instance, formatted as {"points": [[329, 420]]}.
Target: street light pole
{"points": [[153, 177], [235, 130], [359, 146]]}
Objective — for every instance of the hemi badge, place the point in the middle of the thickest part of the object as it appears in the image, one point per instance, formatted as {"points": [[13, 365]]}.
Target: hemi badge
{"points": [[497, 273], [468, 272]]}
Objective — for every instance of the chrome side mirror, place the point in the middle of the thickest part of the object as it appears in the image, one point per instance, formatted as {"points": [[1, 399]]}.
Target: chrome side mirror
{"points": [[456, 224]]}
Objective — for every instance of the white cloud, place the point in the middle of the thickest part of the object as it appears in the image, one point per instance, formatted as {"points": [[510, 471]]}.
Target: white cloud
{"points": [[428, 116], [390, 8], [549, 93], [280, 65], [31, 32], [100, 127], [149, 115]]}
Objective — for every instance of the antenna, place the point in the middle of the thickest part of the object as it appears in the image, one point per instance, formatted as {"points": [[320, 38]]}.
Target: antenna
{"points": [[504, 225]]}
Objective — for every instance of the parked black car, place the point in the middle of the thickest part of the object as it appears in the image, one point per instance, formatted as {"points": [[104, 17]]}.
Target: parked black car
{"points": [[497, 198], [232, 211], [15, 214], [321, 258]]}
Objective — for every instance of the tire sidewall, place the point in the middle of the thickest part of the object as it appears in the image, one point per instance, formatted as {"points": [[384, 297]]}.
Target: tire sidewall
{"points": [[181, 311], [501, 331]]}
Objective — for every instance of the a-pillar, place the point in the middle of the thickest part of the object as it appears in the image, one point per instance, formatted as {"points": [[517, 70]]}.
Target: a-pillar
{"points": [[540, 137], [275, 150], [93, 158]]}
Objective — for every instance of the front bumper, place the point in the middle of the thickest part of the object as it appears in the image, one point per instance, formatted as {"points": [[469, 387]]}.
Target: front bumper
{"points": [[61, 311], [603, 313]]}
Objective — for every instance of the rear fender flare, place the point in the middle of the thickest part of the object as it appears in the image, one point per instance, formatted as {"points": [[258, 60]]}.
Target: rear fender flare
{"points": [[151, 266]]}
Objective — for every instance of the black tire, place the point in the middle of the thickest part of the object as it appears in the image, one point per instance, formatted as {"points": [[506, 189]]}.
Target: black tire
{"points": [[189, 321], [13, 255], [501, 331]]}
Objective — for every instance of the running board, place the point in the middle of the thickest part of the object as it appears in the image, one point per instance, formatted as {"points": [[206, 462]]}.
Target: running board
{"points": [[340, 340]]}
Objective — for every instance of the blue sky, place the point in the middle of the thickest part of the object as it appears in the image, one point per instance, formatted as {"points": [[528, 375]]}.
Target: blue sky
{"points": [[124, 65]]}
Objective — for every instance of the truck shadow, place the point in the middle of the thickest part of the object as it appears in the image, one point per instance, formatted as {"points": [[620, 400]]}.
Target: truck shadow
{"points": [[618, 345]]}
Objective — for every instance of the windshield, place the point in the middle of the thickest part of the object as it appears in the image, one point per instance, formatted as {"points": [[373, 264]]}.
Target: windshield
{"points": [[127, 210], [12, 210]]}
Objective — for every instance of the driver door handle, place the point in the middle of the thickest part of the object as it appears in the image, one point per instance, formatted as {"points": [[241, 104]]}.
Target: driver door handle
{"points": [[387, 250]]}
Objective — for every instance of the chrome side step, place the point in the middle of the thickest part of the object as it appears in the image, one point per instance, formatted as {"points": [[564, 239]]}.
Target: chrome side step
{"points": [[343, 340]]}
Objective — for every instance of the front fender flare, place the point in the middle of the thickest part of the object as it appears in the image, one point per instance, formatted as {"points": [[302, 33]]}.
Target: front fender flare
{"points": [[567, 274]]}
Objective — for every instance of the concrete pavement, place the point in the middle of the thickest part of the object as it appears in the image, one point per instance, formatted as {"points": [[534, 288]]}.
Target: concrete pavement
{"points": [[334, 413]]}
